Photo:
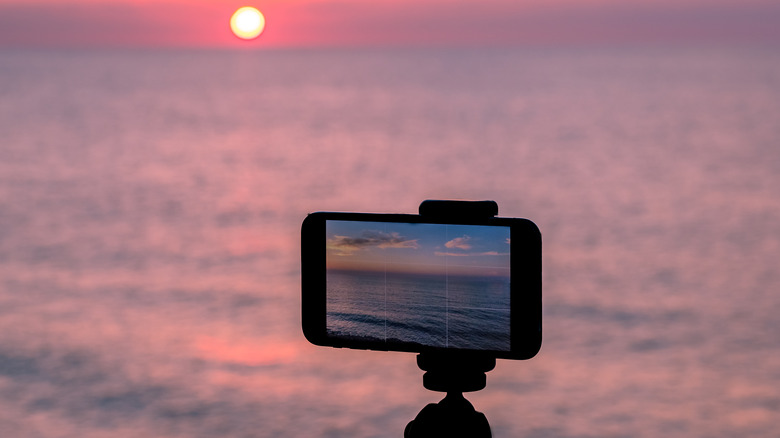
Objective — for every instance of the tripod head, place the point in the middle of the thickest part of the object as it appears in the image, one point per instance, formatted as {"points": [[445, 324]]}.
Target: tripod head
{"points": [[453, 416], [454, 372]]}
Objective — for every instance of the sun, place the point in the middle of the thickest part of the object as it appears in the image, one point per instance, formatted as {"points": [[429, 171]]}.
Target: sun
{"points": [[247, 23]]}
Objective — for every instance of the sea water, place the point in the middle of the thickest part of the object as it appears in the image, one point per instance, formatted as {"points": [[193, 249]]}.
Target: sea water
{"points": [[429, 310], [150, 205]]}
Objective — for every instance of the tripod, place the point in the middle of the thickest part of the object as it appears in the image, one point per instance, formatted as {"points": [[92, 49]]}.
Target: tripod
{"points": [[453, 373], [449, 372]]}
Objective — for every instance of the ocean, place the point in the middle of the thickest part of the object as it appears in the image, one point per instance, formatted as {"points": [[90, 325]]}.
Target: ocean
{"points": [[431, 310], [150, 212]]}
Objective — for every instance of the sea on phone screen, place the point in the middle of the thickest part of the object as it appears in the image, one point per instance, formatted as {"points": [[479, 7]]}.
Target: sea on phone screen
{"points": [[431, 310]]}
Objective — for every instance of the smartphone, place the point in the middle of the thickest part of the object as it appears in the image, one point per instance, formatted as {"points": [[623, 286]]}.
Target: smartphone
{"points": [[398, 282]]}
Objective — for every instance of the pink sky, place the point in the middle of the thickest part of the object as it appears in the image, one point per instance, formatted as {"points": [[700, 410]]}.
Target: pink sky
{"points": [[312, 23]]}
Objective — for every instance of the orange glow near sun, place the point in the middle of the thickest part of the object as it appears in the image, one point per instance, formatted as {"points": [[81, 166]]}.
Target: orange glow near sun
{"points": [[247, 23]]}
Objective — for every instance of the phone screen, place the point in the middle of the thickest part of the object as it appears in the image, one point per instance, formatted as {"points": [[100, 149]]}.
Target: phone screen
{"points": [[434, 285]]}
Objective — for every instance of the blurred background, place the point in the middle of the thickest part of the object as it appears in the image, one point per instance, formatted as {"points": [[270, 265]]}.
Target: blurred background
{"points": [[155, 170]]}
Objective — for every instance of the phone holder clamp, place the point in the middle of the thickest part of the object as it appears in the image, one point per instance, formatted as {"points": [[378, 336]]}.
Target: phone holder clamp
{"points": [[443, 209]]}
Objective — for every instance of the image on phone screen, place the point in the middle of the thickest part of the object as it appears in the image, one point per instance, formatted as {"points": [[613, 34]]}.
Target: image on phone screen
{"points": [[436, 285]]}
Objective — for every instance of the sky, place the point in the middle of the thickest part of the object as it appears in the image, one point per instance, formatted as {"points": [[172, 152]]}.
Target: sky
{"points": [[357, 23], [418, 248]]}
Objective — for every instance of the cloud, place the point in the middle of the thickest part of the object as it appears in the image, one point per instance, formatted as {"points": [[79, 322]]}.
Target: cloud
{"points": [[471, 254], [345, 245], [459, 243]]}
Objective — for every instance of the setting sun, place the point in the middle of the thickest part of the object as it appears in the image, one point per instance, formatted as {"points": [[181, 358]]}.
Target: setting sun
{"points": [[247, 23]]}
